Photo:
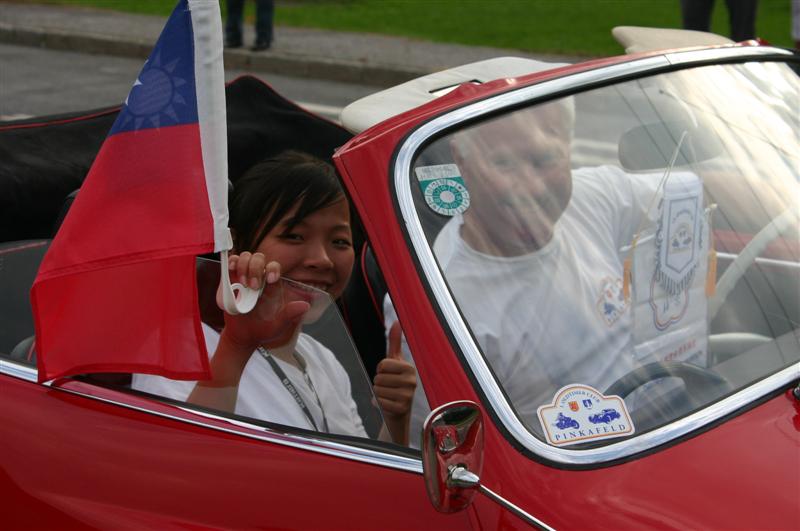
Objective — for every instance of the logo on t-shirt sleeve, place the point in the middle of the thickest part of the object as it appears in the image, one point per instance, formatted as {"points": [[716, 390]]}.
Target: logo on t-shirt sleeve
{"points": [[611, 303]]}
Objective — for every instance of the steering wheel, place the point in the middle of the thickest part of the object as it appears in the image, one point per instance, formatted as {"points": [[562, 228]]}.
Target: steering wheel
{"points": [[701, 386], [776, 227]]}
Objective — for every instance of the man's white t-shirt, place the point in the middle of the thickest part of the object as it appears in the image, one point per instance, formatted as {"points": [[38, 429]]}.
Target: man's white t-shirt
{"points": [[556, 316], [262, 395], [550, 318]]}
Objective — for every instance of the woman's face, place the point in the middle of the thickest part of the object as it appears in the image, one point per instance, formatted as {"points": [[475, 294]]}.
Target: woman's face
{"points": [[318, 251]]}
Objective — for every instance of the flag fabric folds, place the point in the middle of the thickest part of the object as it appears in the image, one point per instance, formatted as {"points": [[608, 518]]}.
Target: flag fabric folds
{"points": [[116, 291]]}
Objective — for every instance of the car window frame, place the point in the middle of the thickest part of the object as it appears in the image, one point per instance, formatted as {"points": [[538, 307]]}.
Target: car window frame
{"points": [[450, 317]]}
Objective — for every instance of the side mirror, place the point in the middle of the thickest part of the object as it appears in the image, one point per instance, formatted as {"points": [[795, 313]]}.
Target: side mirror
{"points": [[452, 455]]}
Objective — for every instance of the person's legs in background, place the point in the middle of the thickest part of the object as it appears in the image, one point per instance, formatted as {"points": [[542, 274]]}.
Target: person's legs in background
{"points": [[742, 16], [696, 14], [233, 23], [796, 23], [265, 10]]}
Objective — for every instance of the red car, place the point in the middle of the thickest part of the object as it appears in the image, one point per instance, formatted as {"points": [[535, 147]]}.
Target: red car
{"points": [[557, 241]]}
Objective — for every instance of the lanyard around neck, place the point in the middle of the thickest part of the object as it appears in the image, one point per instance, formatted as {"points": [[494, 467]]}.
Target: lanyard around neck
{"points": [[289, 386]]}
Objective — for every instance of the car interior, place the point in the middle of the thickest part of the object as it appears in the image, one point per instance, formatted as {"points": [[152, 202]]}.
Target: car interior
{"points": [[261, 123]]}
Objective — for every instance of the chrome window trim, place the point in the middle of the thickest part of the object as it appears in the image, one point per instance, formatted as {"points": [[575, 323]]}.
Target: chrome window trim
{"points": [[301, 442], [496, 398], [719, 54], [18, 370], [729, 257]]}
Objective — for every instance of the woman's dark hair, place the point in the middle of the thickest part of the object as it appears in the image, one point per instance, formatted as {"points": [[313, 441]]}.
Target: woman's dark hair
{"points": [[269, 190]]}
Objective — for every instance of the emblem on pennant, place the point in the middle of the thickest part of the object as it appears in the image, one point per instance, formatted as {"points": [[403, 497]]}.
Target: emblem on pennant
{"points": [[679, 245], [678, 240]]}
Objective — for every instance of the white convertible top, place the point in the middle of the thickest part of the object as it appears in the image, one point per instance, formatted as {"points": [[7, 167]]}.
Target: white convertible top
{"points": [[637, 39], [375, 108]]}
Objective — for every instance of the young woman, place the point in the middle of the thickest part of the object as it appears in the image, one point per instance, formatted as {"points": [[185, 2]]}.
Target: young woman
{"points": [[291, 224]]}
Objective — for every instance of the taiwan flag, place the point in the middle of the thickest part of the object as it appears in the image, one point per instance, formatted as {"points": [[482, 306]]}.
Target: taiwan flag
{"points": [[116, 291]]}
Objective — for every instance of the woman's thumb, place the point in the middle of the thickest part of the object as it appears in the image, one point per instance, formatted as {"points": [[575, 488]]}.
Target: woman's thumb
{"points": [[395, 342]]}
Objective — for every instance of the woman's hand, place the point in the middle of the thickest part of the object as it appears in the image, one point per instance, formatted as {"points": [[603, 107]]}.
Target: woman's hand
{"points": [[273, 321], [394, 385]]}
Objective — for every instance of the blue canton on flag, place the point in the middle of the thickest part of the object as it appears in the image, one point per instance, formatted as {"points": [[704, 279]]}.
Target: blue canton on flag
{"points": [[164, 93]]}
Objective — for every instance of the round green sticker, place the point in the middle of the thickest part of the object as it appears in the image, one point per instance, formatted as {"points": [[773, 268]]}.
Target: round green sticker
{"points": [[446, 196]]}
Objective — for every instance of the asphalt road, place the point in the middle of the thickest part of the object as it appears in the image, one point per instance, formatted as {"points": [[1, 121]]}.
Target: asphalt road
{"points": [[39, 82]]}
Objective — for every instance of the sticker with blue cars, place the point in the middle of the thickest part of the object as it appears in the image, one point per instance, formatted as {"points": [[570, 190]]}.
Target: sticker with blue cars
{"points": [[580, 413]]}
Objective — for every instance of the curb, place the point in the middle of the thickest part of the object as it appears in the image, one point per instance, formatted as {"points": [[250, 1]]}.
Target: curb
{"points": [[272, 62]]}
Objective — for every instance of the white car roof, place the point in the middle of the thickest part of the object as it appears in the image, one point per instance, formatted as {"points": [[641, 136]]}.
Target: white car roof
{"points": [[638, 39], [375, 108]]}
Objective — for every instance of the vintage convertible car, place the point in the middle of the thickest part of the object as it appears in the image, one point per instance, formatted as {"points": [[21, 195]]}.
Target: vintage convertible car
{"points": [[558, 242]]}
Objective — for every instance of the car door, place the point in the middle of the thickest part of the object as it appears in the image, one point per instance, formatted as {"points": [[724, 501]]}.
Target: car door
{"points": [[91, 452], [76, 452]]}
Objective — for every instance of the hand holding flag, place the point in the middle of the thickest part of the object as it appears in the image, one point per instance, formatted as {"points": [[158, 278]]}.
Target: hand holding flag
{"points": [[274, 319]]}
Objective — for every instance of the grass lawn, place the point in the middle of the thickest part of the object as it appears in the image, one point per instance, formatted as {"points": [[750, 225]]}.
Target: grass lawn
{"points": [[575, 27]]}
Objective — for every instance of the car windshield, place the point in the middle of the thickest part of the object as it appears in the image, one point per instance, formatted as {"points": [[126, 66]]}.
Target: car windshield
{"points": [[626, 255]]}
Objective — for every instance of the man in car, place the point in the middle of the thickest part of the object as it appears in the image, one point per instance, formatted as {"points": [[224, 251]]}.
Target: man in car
{"points": [[535, 263]]}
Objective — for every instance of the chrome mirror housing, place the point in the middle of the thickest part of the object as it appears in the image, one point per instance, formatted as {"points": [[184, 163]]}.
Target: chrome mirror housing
{"points": [[452, 455]]}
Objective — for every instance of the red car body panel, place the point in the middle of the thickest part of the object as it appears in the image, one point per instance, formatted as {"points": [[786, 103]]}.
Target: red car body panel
{"points": [[98, 464]]}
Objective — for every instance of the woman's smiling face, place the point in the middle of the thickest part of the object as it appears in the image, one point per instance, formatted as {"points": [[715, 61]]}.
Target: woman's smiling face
{"points": [[317, 251]]}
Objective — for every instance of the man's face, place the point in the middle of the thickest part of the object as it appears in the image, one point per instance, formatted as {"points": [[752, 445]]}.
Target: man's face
{"points": [[517, 169]]}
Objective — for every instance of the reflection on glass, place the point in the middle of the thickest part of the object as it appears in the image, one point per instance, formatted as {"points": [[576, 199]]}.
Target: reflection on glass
{"points": [[640, 238]]}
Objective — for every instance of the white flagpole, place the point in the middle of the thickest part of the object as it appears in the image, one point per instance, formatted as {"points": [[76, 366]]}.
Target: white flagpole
{"points": [[210, 86]]}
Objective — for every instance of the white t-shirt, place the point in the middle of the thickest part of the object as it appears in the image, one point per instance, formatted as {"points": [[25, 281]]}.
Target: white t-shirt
{"points": [[565, 298], [262, 395], [556, 316]]}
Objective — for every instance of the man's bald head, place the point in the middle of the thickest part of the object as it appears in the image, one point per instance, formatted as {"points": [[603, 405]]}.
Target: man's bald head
{"points": [[517, 168]]}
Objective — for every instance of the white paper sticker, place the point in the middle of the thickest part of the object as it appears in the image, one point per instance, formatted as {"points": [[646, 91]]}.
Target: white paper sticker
{"points": [[443, 188], [580, 413]]}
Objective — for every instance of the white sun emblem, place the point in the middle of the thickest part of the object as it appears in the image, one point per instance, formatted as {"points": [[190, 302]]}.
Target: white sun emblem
{"points": [[154, 94]]}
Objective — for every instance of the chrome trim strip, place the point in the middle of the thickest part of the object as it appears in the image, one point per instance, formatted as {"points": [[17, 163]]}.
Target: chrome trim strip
{"points": [[761, 261], [322, 446], [448, 307], [18, 370], [514, 509], [696, 56]]}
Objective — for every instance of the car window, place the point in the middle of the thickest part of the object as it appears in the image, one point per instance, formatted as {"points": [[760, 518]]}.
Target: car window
{"points": [[320, 385], [627, 255], [19, 261], [329, 381]]}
